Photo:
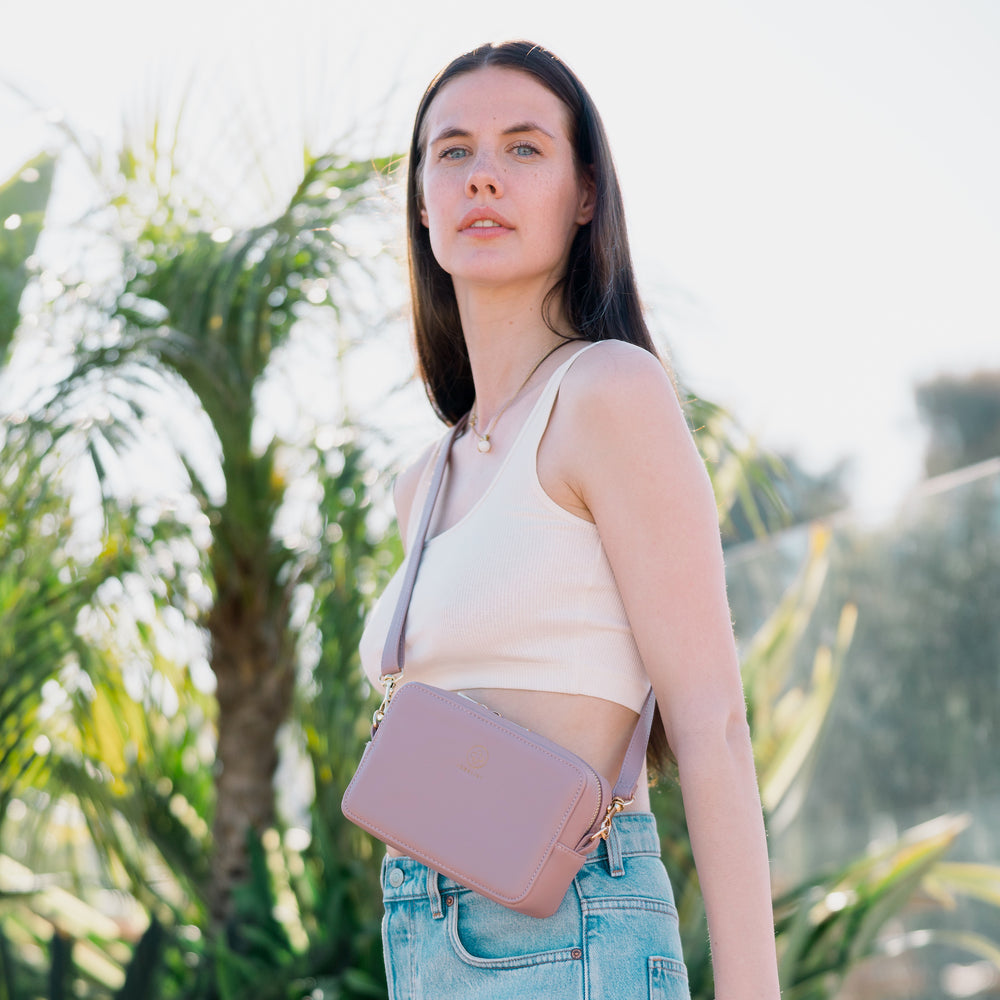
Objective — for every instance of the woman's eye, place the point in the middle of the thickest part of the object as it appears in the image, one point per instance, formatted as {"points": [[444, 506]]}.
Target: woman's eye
{"points": [[455, 153], [523, 149]]}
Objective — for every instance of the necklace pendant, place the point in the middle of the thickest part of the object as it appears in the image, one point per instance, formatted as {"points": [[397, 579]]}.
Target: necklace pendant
{"points": [[483, 444]]}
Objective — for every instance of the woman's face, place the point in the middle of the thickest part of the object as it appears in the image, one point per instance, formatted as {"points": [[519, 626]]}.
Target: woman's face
{"points": [[502, 195]]}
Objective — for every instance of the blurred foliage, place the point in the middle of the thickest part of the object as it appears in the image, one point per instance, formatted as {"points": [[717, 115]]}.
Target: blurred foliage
{"points": [[23, 201], [803, 496], [207, 307], [912, 727], [915, 723], [743, 477], [27, 982], [76, 801], [831, 921], [963, 417], [828, 925], [758, 492]]}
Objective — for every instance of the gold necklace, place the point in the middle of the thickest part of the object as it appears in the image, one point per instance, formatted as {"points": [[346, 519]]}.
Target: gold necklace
{"points": [[483, 443]]}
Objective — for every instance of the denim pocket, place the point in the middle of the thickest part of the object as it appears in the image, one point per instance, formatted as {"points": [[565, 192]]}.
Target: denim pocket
{"points": [[621, 932], [487, 935], [668, 980]]}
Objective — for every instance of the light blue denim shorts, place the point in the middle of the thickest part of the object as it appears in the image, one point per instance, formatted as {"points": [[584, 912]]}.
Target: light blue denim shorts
{"points": [[615, 934]]}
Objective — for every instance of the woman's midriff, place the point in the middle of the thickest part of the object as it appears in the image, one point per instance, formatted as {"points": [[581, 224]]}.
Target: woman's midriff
{"points": [[594, 729]]}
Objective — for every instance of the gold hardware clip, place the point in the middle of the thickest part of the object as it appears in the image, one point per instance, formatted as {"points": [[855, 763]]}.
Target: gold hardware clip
{"points": [[389, 680], [617, 805]]}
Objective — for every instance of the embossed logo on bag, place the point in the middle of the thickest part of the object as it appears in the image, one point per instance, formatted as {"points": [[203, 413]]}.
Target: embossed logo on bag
{"points": [[475, 759]]}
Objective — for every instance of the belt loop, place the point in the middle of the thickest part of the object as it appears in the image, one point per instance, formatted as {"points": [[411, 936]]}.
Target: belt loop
{"points": [[615, 865], [434, 894]]}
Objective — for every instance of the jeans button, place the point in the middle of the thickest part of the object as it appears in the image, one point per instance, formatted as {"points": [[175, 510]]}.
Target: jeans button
{"points": [[396, 877]]}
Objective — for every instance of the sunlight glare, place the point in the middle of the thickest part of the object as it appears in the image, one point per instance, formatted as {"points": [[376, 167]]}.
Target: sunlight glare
{"points": [[836, 901], [297, 839]]}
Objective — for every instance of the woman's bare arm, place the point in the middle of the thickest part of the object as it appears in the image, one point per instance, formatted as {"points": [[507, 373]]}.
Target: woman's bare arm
{"points": [[632, 462]]}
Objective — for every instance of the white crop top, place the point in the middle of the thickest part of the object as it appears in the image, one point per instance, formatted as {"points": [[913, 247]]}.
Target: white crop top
{"points": [[517, 594]]}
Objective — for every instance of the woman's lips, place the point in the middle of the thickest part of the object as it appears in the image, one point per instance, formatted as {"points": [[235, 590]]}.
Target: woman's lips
{"points": [[484, 222], [484, 229]]}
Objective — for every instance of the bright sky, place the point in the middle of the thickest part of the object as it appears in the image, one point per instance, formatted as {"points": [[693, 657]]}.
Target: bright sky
{"points": [[811, 188]]}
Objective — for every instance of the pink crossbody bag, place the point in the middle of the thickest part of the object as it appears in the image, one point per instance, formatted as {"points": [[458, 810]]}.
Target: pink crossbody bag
{"points": [[476, 797]]}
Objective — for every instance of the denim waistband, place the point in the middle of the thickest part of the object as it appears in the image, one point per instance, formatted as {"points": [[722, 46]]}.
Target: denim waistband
{"points": [[632, 834]]}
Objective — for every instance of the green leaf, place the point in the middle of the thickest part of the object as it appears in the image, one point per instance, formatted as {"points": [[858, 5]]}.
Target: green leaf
{"points": [[23, 200], [977, 881]]}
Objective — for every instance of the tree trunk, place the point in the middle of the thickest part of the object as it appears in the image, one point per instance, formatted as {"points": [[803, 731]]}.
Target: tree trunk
{"points": [[254, 668]]}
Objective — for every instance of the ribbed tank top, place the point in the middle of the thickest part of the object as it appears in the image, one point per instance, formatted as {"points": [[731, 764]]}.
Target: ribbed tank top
{"points": [[517, 594]]}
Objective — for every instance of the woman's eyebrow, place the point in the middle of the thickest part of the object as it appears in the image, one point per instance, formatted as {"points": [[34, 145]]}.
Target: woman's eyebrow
{"points": [[527, 127], [519, 128], [452, 132]]}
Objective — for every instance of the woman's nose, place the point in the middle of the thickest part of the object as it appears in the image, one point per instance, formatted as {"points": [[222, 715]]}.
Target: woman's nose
{"points": [[484, 178]]}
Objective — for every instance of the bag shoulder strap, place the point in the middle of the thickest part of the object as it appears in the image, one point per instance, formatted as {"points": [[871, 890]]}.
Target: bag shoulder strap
{"points": [[394, 651]]}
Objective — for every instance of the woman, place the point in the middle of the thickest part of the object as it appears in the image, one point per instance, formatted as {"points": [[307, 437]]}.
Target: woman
{"points": [[574, 556]]}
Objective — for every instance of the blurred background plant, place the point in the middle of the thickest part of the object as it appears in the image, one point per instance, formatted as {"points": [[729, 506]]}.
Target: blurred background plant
{"points": [[840, 906], [133, 775], [180, 700]]}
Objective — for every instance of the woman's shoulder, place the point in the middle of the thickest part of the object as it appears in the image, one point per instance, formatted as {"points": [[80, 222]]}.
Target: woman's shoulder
{"points": [[618, 379], [618, 421], [618, 409]]}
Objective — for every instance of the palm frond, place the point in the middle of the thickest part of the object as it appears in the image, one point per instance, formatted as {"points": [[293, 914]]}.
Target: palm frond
{"points": [[743, 475], [23, 201], [827, 926]]}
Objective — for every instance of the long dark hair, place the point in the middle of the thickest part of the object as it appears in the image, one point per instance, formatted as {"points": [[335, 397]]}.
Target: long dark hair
{"points": [[597, 293]]}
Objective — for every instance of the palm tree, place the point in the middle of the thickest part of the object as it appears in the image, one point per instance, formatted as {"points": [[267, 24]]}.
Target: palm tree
{"points": [[199, 314], [209, 307]]}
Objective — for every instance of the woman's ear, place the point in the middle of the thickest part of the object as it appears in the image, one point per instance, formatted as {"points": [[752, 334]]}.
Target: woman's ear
{"points": [[588, 196], [423, 215]]}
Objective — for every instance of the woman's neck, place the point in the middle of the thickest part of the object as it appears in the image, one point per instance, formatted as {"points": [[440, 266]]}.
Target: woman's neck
{"points": [[506, 337]]}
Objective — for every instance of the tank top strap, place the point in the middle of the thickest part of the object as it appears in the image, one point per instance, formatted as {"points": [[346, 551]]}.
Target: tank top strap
{"points": [[538, 419]]}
